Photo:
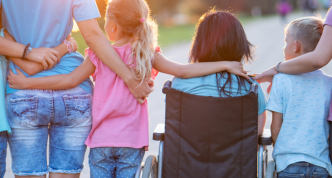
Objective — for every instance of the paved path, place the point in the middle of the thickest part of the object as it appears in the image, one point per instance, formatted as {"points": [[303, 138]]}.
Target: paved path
{"points": [[267, 34]]}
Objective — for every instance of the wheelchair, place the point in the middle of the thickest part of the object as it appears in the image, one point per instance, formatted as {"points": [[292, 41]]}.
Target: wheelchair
{"points": [[208, 137]]}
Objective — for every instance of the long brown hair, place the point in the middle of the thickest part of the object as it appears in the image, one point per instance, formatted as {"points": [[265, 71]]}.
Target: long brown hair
{"points": [[134, 20], [220, 37]]}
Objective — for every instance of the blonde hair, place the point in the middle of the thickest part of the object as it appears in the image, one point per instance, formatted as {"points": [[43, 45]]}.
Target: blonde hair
{"points": [[307, 30], [133, 19]]}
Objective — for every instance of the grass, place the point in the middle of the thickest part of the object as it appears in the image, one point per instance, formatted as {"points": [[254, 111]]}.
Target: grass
{"points": [[167, 35]]}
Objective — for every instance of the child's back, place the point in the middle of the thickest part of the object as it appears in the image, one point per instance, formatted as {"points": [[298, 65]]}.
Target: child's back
{"points": [[300, 107], [304, 101]]}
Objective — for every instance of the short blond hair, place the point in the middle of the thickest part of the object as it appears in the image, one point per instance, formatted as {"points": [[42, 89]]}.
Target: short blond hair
{"points": [[307, 30]]}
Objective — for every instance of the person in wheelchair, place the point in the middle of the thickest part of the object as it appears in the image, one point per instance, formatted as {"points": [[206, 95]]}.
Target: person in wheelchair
{"points": [[212, 123], [300, 107], [220, 37]]}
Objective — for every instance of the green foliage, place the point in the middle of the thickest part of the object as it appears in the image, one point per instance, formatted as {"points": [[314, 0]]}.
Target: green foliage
{"points": [[167, 36]]}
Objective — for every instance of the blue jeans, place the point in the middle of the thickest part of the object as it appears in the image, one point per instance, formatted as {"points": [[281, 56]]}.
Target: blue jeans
{"points": [[303, 170], [62, 115], [3, 152], [114, 162]]}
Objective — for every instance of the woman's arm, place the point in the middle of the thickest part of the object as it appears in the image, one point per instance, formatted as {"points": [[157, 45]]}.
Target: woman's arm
{"points": [[276, 125], [32, 68], [162, 64], [46, 56], [261, 123], [99, 44], [312, 61], [56, 82]]}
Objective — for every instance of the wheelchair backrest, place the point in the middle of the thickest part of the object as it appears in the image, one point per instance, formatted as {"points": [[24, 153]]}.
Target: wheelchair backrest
{"points": [[210, 137]]}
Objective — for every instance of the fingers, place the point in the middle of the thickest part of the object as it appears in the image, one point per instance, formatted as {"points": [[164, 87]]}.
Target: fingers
{"points": [[45, 65], [54, 58], [258, 77], [50, 62], [140, 100], [56, 53], [19, 72]]}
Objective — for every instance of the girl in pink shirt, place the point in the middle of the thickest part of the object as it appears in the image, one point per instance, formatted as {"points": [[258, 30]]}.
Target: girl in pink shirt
{"points": [[119, 131]]}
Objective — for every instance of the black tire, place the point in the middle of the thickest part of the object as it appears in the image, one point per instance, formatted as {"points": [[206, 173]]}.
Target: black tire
{"points": [[150, 169]]}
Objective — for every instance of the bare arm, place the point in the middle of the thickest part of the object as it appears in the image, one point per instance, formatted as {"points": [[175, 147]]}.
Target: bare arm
{"points": [[56, 82], [312, 61], [32, 68], [46, 56], [276, 125], [261, 123], [99, 44], [162, 64]]}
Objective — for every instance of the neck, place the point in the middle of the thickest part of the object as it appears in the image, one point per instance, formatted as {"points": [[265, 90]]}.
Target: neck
{"points": [[121, 41]]}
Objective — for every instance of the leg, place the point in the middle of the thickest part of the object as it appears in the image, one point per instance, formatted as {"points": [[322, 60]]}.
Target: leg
{"points": [[102, 163], [3, 152], [128, 161], [28, 116], [68, 132]]}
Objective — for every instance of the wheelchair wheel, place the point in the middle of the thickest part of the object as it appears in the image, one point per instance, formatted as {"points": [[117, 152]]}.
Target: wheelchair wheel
{"points": [[270, 170], [150, 169]]}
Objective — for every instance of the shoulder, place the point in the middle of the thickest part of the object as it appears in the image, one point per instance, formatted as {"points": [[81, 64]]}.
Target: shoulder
{"points": [[89, 54]]}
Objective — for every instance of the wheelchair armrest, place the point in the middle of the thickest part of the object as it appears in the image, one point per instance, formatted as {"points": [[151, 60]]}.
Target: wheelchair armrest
{"points": [[159, 132], [265, 138], [167, 86]]}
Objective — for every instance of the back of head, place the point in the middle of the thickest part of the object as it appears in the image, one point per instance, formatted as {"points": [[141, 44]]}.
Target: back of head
{"points": [[306, 30], [133, 19], [220, 37]]}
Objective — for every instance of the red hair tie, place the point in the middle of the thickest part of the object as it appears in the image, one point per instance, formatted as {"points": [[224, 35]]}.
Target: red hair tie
{"points": [[142, 20]]}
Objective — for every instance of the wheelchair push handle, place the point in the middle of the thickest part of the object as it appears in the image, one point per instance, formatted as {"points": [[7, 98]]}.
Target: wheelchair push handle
{"points": [[167, 86], [253, 90]]}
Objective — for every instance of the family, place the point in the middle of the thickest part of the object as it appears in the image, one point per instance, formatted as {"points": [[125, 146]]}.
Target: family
{"points": [[46, 94]]}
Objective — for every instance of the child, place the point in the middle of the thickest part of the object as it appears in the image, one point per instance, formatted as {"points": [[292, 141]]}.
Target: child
{"points": [[300, 106], [120, 124]]}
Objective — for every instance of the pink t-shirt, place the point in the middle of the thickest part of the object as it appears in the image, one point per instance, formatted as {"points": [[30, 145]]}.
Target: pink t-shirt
{"points": [[118, 119]]}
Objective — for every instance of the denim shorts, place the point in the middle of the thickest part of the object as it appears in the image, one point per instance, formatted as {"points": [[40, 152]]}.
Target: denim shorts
{"points": [[303, 170], [63, 115], [114, 162], [3, 153]]}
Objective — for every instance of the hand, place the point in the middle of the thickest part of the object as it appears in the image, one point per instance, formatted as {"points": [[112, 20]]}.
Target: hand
{"points": [[237, 69], [73, 42], [46, 56], [267, 76], [17, 81], [140, 90]]}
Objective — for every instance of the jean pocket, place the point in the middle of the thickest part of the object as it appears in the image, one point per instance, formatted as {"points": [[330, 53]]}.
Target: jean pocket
{"points": [[288, 175], [24, 110], [78, 108], [133, 156], [96, 155], [320, 174]]}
